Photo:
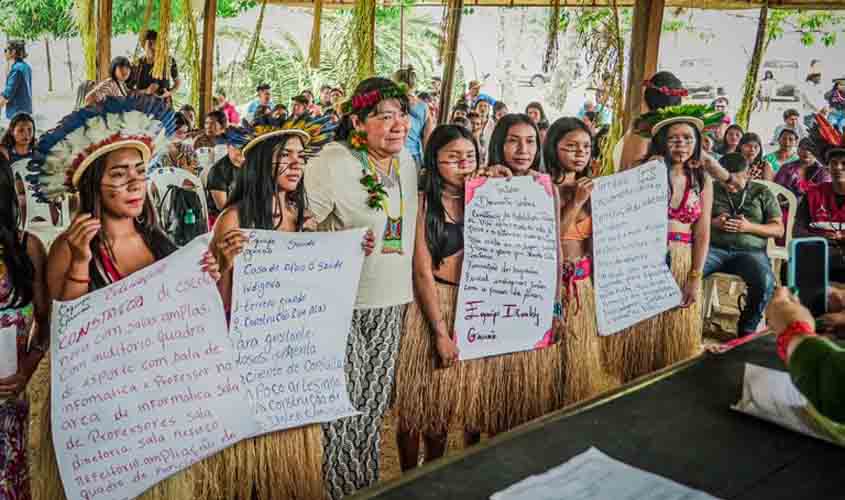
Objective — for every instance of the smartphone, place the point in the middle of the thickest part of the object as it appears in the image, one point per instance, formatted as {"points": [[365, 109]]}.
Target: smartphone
{"points": [[808, 273]]}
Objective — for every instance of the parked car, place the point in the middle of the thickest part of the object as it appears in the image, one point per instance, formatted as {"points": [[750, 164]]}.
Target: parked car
{"points": [[785, 72]]}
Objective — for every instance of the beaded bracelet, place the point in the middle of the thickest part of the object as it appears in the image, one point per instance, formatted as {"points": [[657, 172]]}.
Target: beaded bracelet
{"points": [[795, 329]]}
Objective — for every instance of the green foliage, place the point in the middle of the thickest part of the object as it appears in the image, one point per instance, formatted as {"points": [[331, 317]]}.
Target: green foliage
{"points": [[128, 15], [813, 26], [33, 19]]}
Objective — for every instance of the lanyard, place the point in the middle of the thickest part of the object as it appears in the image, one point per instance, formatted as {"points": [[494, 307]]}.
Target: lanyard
{"points": [[736, 210]]}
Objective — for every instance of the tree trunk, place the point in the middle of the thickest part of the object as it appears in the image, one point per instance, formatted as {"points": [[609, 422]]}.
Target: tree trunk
{"points": [[69, 62], [49, 65], [743, 116]]}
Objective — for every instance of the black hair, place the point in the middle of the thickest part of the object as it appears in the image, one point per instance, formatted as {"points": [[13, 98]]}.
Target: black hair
{"points": [[499, 106], [734, 162], [791, 112], [406, 75], [90, 202], [473, 114], [751, 137], [536, 105], [370, 84], [543, 125], [496, 154], [300, 99], [8, 140], [768, 75], [461, 106], [151, 36], [19, 267], [118, 62], [219, 117], [180, 121], [660, 147], [556, 133], [188, 108], [462, 122], [654, 99], [591, 115], [221, 92], [262, 86], [435, 215], [256, 187], [18, 47], [424, 96]]}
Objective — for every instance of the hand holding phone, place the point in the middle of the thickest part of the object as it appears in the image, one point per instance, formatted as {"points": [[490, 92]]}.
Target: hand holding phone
{"points": [[808, 273]]}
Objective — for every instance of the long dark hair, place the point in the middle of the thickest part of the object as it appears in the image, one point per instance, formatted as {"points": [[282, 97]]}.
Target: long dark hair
{"points": [[539, 107], [9, 137], [375, 83], [435, 215], [655, 99], [19, 267], [556, 133], [118, 62], [90, 202], [747, 138], [496, 154], [256, 186], [660, 147]]}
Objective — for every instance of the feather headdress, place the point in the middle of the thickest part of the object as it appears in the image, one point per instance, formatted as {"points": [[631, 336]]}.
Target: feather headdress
{"points": [[700, 116], [314, 132], [826, 139], [63, 154]]}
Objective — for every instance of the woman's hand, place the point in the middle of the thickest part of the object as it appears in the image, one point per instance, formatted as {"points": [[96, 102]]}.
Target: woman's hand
{"points": [[583, 190], [691, 291], [447, 349], [230, 247], [210, 265], [369, 242], [82, 230], [492, 171], [783, 309]]}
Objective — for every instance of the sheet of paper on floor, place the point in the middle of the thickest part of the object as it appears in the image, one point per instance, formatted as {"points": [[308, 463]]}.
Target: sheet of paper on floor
{"points": [[592, 475], [770, 395]]}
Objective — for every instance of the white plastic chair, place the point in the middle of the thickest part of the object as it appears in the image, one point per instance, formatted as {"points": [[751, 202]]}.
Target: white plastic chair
{"points": [[39, 216], [160, 179]]}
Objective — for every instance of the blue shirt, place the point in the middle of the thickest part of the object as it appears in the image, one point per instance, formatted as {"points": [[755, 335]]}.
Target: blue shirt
{"points": [[414, 142], [602, 112], [250, 110], [18, 92], [483, 97]]}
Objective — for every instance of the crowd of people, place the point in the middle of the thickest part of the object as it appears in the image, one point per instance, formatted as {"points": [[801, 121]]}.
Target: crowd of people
{"points": [[379, 160]]}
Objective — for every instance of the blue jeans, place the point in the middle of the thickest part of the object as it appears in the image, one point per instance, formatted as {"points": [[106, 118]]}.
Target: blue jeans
{"points": [[755, 269]]}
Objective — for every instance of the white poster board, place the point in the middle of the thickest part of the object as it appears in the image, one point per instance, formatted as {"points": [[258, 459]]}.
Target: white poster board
{"points": [[507, 290], [8, 351], [630, 227], [292, 305], [144, 380]]}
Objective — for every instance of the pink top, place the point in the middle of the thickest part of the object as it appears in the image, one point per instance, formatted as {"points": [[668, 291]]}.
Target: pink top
{"points": [[689, 209]]}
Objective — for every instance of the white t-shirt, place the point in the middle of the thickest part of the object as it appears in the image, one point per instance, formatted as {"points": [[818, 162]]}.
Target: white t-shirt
{"points": [[339, 201]]}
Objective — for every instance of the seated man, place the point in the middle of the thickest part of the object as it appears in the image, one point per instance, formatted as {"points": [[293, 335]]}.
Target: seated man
{"points": [[792, 121], [822, 213], [745, 216], [216, 124]]}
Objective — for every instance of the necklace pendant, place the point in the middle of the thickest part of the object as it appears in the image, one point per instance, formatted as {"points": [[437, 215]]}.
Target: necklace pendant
{"points": [[392, 240]]}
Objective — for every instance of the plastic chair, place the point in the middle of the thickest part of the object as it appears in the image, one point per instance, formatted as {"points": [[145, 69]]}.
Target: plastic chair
{"points": [[160, 179], [39, 216]]}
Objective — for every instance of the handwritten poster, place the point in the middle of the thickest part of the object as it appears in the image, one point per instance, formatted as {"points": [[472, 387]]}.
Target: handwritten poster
{"points": [[144, 380], [630, 223], [507, 289], [292, 306]]}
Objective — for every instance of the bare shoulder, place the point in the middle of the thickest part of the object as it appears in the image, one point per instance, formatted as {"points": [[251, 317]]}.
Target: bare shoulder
{"points": [[227, 221], [35, 247]]}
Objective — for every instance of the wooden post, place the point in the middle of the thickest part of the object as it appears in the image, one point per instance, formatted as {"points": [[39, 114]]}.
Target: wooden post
{"points": [[743, 115], [402, 35], [453, 33], [645, 47], [104, 33], [207, 64]]}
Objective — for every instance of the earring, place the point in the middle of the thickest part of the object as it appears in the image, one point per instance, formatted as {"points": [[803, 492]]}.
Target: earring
{"points": [[358, 140]]}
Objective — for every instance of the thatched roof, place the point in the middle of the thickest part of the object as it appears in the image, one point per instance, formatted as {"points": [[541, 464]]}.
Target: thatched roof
{"points": [[698, 4]]}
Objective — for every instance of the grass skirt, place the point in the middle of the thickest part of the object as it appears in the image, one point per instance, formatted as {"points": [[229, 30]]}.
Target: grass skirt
{"points": [[427, 395], [661, 340], [580, 346], [283, 465], [681, 328]]}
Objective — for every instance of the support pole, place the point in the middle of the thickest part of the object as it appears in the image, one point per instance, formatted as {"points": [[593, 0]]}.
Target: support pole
{"points": [[453, 33], [104, 32], [402, 35], [207, 65], [645, 48], [743, 116]]}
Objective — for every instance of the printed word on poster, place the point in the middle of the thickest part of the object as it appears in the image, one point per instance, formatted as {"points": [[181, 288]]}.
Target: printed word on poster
{"points": [[507, 290], [630, 223], [144, 381], [292, 306]]}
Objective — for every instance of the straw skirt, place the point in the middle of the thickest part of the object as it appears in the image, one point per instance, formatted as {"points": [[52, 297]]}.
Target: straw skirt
{"points": [[583, 374], [681, 327]]}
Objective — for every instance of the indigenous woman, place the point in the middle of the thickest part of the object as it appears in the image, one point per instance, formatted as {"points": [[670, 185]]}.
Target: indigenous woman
{"points": [[427, 401], [661, 90], [517, 387], [730, 144], [269, 194], [675, 335], [568, 151], [24, 309], [800, 175], [751, 149], [103, 153], [19, 139], [368, 179], [114, 85]]}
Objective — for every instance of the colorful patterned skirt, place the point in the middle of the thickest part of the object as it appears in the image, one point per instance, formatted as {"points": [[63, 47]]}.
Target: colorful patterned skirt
{"points": [[14, 466]]}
